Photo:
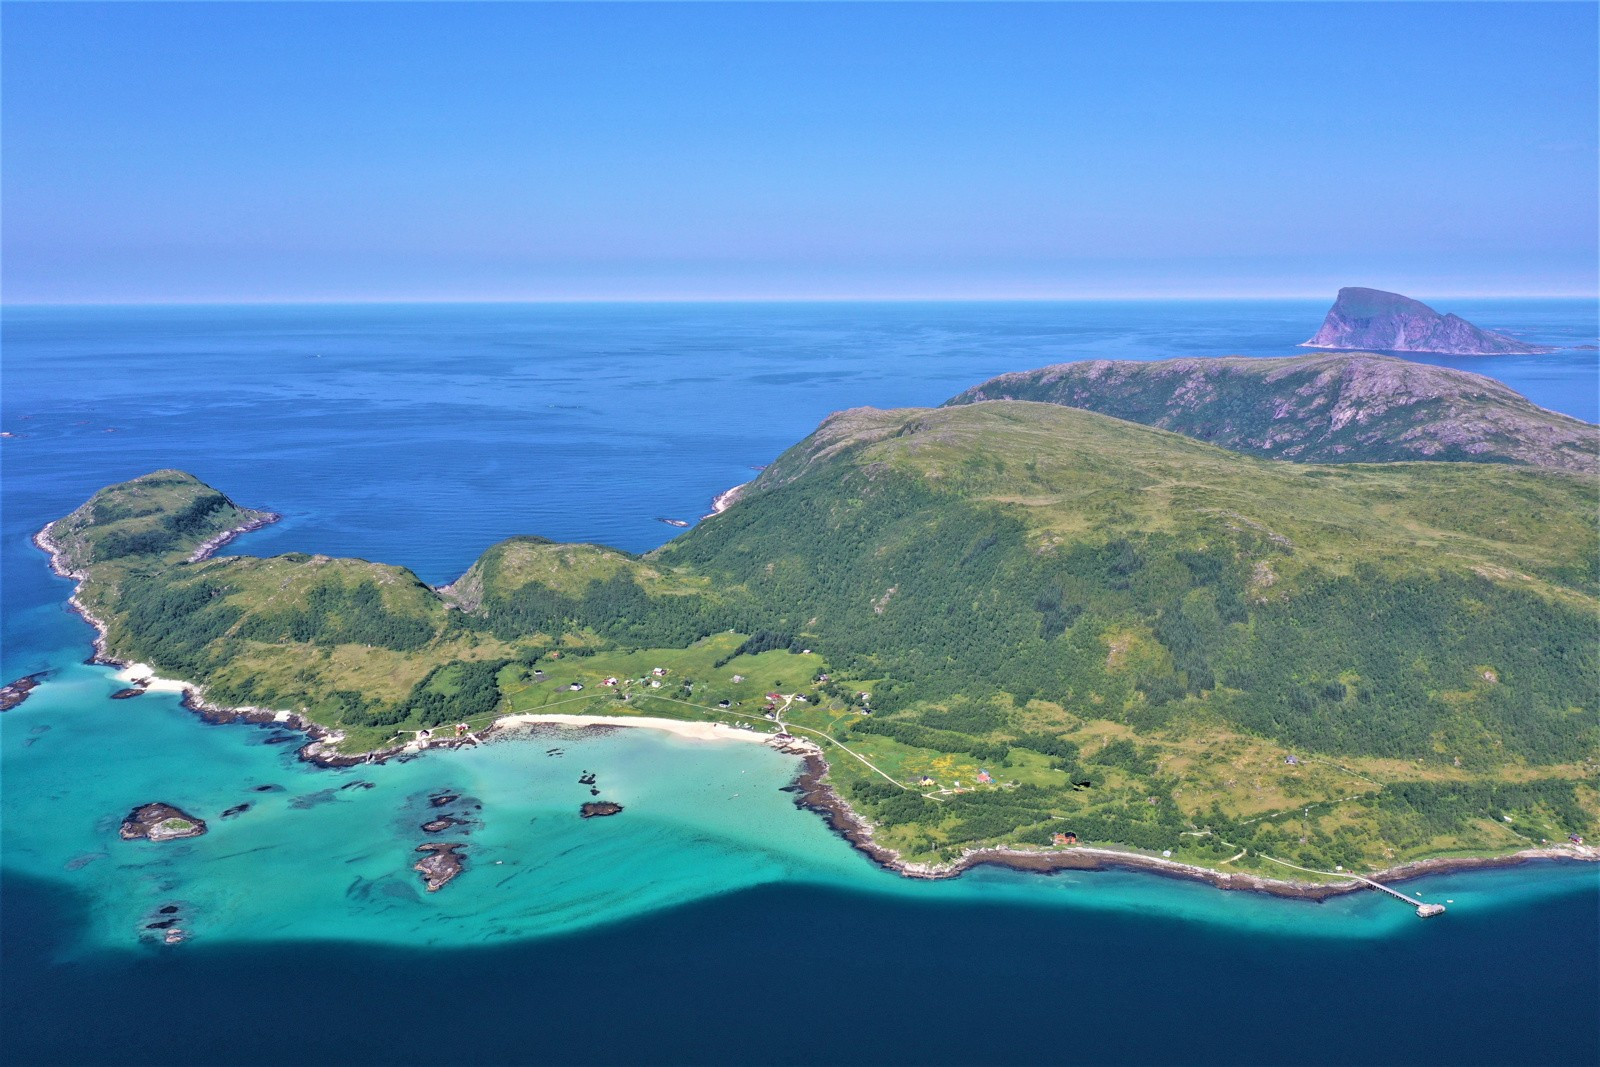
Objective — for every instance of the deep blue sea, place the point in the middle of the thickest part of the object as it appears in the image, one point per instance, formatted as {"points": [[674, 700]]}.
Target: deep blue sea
{"points": [[715, 922]]}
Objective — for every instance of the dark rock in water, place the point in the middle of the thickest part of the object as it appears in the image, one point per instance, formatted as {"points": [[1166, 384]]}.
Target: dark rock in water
{"points": [[77, 863], [360, 783], [281, 739], [160, 822], [441, 864], [127, 694], [599, 807], [594, 792], [160, 924], [235, 810], [170, 909], [586, 778], [439, 825], [14, 693], [440, 799], [311, 800], [1372, 319], [269, 789]]}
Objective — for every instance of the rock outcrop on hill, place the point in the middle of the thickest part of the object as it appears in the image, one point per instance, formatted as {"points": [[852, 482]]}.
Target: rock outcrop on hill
{"points": [[1359, 408], [1388, 322]]}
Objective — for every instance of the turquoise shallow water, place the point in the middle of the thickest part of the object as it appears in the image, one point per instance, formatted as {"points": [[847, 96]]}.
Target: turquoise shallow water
{"points": [[325, 856], [420, 436]]}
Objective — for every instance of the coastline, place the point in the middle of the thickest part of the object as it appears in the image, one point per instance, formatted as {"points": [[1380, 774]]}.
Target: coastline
{"points": [[812, 791], [726, 499], [696, 731], [316, 749], [815, 794]]}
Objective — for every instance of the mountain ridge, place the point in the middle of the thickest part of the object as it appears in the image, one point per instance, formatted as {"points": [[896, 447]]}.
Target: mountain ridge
{"points": [[1334, 408]]}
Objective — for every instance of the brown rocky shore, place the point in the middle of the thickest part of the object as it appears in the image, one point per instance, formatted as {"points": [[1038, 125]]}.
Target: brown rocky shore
{"points": [[815, 794]]}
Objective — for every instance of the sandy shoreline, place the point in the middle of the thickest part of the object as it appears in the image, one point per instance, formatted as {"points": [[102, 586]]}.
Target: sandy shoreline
{"points": [[698, 731], [726, 499]]}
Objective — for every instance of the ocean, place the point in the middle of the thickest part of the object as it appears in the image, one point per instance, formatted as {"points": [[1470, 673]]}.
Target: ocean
{"points": [[714, 921]]}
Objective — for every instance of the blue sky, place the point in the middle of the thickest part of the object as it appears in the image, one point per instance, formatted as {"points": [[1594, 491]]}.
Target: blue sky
{"points": [[218, 152]]}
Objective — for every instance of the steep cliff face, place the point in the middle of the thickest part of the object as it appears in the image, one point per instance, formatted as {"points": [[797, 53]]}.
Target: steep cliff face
{"points": [[1316, 409], [1388, 322]]}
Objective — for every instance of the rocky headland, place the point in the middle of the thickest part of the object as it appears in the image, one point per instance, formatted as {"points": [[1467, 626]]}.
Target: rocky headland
{"points": [[1373, 319]]}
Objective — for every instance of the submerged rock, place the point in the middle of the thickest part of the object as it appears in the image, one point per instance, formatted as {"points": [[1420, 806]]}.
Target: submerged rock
{"points": [[599, 807], [441, 864], [128, 693], [160, 822]]}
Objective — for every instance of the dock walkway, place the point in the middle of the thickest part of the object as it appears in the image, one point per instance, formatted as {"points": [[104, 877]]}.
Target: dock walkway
{"points": [[1424, 909]]}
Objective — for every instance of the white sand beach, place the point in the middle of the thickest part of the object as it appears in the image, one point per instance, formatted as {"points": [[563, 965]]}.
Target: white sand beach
{"points": [[144, 676], [699, 731]]}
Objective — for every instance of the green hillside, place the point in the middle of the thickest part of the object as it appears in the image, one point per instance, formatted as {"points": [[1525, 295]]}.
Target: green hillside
{"points": [[1089, 624]]}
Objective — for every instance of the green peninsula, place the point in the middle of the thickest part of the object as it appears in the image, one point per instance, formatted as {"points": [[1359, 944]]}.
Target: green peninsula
{"points": [[1001, 621]]}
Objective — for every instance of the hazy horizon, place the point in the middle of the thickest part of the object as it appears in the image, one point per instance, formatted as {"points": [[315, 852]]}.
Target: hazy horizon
{"points": [[1430, 299], [298, 153]]}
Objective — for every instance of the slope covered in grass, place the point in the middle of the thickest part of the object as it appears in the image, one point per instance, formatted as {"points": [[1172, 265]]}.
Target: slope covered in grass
{"points": [[1353, 408], [1089, 624]]}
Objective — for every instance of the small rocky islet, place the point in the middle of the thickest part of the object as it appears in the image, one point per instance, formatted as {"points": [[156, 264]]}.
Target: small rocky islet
{"points": [[442, 862], [14, 693], [160, 822]]}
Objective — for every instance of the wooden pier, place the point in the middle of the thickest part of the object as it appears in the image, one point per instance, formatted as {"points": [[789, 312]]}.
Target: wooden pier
{"points": [[1424, 909]]}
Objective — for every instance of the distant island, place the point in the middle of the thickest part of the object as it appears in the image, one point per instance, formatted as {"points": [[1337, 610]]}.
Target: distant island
{"points": [[1388, 322], [1001, 631]]}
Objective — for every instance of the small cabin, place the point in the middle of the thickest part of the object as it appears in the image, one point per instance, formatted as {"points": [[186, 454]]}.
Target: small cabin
{"points": [[1063, 840], [575, 686]]}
